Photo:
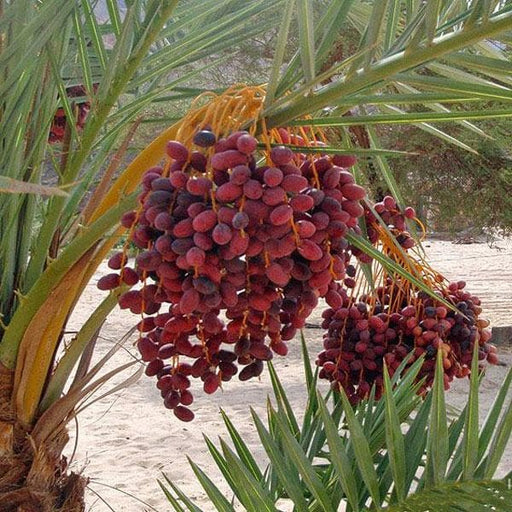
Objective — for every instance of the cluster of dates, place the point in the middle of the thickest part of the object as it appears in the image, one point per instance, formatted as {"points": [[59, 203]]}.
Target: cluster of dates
{"points": [[386, 327], [394, 218], [233, 257], [58, 126]]}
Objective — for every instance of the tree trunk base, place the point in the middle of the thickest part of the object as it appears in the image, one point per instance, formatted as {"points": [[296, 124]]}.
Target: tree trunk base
{"points": [[37, 485], [37, 480], [34, 478]]}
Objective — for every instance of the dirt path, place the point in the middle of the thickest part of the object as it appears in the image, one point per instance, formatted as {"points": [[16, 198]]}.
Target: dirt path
{"points": [[127, 440]]}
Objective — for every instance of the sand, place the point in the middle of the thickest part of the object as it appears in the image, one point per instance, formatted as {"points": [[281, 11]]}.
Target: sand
{"points": [[128, 440]]}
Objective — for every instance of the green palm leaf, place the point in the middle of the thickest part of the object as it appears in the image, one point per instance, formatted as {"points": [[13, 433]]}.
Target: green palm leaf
{"points": [[459, 496], [437, 440], [241, 448], [340, 458], [309, 476], [285, 472], [394, 440], [254, 497], [470, 451], [217, 498]]}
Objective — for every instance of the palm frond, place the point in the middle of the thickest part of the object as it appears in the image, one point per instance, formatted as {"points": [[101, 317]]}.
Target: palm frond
{"points": [[370, 456], [460, 496]]}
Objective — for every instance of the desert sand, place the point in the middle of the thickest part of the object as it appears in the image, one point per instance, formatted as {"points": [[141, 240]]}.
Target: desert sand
{"points": [[128, 440]]}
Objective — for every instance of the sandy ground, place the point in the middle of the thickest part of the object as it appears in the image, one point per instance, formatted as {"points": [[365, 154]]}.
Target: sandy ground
{"points": [[128, 440]]}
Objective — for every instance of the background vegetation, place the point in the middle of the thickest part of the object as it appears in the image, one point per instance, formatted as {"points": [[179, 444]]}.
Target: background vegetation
{"points": [[454, 189]]}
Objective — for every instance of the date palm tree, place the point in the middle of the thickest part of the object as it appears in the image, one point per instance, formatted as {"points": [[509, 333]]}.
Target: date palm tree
{"points": [[60, 203]]}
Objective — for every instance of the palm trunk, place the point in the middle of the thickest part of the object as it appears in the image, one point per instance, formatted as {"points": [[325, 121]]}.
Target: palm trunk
{"points": [[34, 478]]}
